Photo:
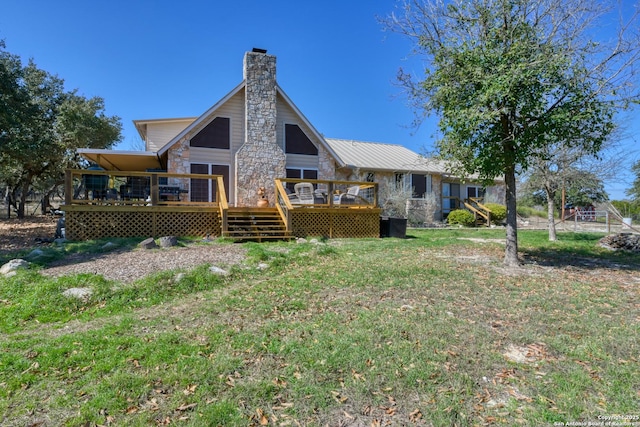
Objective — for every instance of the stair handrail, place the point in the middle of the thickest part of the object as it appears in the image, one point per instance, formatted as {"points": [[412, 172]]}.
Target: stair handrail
{"points": [[283, 204], [483, 211], [223, 204]]}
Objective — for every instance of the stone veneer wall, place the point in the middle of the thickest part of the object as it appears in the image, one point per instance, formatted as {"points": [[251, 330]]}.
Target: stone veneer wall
{"points": [[179, 162], [326, 168], [260, 160], [436, 188]]}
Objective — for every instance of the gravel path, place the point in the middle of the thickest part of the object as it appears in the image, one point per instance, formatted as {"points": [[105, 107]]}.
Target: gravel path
{"points": [[128, 266]]}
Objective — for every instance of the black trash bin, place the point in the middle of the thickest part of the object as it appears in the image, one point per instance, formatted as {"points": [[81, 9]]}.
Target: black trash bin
{"points": [[384, 226], [393, 227]]}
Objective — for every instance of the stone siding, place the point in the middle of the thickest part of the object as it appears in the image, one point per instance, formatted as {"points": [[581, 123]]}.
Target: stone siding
{"points": [[326, 168], [260, 160]]}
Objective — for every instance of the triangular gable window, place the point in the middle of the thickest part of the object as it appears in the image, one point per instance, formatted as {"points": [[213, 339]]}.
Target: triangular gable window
{"points": [[297, 142], [214, 135]]}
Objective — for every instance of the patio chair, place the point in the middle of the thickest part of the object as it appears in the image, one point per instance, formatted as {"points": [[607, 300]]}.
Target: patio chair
{"points": [[137, 187], [348, 198], [304, 193], [96, 184]]}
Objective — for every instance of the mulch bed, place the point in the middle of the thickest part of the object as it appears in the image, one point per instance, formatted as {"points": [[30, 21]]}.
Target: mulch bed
{"points": [[18, 234]]}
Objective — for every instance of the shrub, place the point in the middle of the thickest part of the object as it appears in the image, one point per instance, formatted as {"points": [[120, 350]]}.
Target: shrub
{"points": [[462, 217], [526, 212], [498, 212]]}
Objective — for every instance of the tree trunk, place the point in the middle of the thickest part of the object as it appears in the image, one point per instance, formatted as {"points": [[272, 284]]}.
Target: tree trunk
{"points": [[7, 199], [551, 207], [22, 203], [24, 192], [511, 249]]}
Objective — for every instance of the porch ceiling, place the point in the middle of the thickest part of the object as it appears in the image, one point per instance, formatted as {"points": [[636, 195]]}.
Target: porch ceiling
{"points": [[122, 160]]}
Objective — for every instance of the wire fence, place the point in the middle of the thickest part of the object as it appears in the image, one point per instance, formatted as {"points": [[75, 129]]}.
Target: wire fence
{"points": [[598, 221]]}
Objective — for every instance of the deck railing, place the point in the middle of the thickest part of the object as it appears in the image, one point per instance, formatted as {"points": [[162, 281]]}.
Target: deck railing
{"points": [[327, 207], [129, 188], [325, 193], [318, 193]]}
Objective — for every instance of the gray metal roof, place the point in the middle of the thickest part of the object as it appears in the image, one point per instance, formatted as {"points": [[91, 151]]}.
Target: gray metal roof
{"points": [[383, 157]]}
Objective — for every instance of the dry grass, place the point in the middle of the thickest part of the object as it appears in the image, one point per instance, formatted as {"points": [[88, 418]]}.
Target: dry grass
{"points": [[428, 331]]}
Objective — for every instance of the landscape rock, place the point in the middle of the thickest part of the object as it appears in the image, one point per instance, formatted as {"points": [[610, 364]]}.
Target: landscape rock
{"points": [[35, 253], [621, 241], [218, 270], [108, 246], [83, 294], [10, 268], [168, 241], [148, 243]]}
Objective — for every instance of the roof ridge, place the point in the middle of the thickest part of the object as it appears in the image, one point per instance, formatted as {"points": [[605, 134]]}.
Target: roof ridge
{"points": [[367, 142]]}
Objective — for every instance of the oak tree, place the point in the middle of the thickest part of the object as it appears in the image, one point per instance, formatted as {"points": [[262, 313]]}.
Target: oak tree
{"points": [[42, 125], [509, 77]]}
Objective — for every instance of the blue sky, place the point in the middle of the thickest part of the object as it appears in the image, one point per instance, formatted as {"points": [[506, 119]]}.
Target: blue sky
{"points": [[158, 59]]}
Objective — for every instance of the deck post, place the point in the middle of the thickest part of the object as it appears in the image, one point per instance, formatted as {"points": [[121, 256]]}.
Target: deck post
{"points": [[68, 187], [154, 189], [225, 222], [330, 194]]}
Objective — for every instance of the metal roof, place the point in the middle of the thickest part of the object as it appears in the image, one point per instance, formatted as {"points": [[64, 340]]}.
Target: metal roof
{"points": [[383, 157]]}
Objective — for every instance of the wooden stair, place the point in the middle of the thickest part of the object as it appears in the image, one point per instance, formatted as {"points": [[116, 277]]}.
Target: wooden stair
{"points": [[481, 212], [255, 224]]}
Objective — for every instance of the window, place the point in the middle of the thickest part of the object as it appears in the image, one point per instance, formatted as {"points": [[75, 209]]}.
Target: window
{"points": [[370, 177], [475, 191], [450, 195], [300, 174], [419, 185], [297, 142], [215, 135], [399, 180], [205, 190]]}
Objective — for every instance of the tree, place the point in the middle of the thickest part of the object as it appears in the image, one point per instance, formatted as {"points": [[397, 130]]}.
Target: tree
{"points": [[42, 126], [634, 191], [562, 175], [509, 77]]}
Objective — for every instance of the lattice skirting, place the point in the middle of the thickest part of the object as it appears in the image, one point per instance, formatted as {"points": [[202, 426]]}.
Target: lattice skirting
{"points": [[96, 224], [342, 223]]}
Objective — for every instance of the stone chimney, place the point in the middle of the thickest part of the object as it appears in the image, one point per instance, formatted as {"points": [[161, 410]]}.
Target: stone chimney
{"points": [[260, 160]]}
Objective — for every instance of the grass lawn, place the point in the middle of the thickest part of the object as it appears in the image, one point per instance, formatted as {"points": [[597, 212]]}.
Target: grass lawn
{"points": [[431, 330]]}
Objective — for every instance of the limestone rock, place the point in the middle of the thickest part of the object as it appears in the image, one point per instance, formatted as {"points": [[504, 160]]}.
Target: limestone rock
{"points": [[108, 246], [148, 243], [83, 294], [621, 241], [168, 241], [10, 268], [35, 253], [218, 270]]}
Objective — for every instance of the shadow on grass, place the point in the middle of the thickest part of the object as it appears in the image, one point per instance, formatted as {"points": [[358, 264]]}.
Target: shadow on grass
{"points": [[580, 250]]}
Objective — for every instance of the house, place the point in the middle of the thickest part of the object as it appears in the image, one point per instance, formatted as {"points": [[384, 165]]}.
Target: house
{"points": [[256, 135]]}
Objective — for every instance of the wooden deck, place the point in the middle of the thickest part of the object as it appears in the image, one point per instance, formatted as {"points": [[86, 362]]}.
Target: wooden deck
{"points": [[154, 214]]}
